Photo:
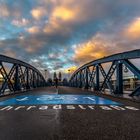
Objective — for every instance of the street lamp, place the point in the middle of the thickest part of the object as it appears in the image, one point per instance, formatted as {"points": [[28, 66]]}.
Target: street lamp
{"points": [[126, 70], [69, 73]]}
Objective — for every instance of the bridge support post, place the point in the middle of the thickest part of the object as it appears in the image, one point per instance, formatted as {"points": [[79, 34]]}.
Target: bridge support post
{"points": [[76, 81], [80, 80], [27, 79], [38, 81], [86, 76], [17, 80], [34, 86], [97, 82], [119, 78]]}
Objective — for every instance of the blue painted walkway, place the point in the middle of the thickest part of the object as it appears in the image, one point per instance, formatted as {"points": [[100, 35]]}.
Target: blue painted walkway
{"points": [[49, 99]]}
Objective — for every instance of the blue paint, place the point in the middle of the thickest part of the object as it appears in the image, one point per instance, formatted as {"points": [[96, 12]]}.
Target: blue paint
{"points": [[57, 99]]}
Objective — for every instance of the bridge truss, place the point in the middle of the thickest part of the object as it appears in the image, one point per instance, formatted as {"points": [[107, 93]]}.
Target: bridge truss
{"points": [[89, 75], [16, 75]]}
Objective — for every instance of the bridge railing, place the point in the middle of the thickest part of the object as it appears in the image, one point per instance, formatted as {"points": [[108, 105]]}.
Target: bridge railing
{"points": [[89, 75], [16, 75]]}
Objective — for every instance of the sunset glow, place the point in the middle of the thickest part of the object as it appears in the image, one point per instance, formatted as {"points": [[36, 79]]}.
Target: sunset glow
{"points": [[65, 34]]}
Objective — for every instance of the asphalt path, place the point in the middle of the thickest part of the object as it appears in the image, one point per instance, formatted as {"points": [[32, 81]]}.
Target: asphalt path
{"points": [[43, 120]]}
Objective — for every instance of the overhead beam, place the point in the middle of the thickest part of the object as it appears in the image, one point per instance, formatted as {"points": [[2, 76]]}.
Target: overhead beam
{"points": [[116, 57]]}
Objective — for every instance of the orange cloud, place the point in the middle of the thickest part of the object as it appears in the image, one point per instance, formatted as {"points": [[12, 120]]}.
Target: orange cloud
{"points": [[99, 46], [89, 51], [31, 49], [52, 26], [59, 18], [133, 29], [38, 13], [4, 11], [63, 13], [33, 30]]}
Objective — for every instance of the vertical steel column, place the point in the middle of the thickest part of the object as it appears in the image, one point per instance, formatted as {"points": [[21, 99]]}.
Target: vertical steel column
{"points": [[16, 77], [73, 84], [41, 81], [70, 82], [80, 79], [76, 80], [38, 77], [97, 82], [27, 79], [86, 84], [119, 78], [35, 74], [73, 81], [34, 86], [38, 80]]}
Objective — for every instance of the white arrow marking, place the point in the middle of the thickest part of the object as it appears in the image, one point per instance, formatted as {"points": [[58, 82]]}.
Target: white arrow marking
{"points": [[90, 98], [23, 99]]}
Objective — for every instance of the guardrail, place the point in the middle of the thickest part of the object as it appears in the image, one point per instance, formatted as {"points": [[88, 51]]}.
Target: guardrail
{"points": [[17, 75], [88, 76]]}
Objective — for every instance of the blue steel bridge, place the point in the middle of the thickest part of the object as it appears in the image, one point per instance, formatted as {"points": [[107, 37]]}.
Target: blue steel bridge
{"points": [[19, 76], [98, 102]]}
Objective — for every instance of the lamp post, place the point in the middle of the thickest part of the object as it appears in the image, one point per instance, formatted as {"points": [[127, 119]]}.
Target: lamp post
{"points": [[69, 73], [126, 69]]}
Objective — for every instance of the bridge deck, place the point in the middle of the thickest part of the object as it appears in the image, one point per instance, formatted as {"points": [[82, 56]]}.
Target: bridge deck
{"points": [[34, 116]]}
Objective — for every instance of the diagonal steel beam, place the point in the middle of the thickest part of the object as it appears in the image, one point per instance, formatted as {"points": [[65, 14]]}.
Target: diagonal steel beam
{"points": [[109, 75], [91, 77], [7, 78], [132, 68], [109, 84]]}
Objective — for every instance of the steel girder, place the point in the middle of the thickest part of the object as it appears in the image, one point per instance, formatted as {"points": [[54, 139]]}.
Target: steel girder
{"points": [[88, 76], [18, 76]]}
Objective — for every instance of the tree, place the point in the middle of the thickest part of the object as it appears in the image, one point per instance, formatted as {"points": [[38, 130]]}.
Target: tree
{"points": [[54, 76], [60, 76]]}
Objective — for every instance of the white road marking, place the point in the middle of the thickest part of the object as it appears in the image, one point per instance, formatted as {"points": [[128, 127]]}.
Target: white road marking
{"points": [[23, 99]]}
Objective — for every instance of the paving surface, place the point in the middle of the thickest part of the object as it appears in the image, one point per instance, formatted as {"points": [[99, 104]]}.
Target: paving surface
{"points": [[69, 122]]}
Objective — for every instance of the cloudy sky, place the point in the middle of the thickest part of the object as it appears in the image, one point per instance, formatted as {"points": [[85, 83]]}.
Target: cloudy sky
{"points": [[64, 34]]}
